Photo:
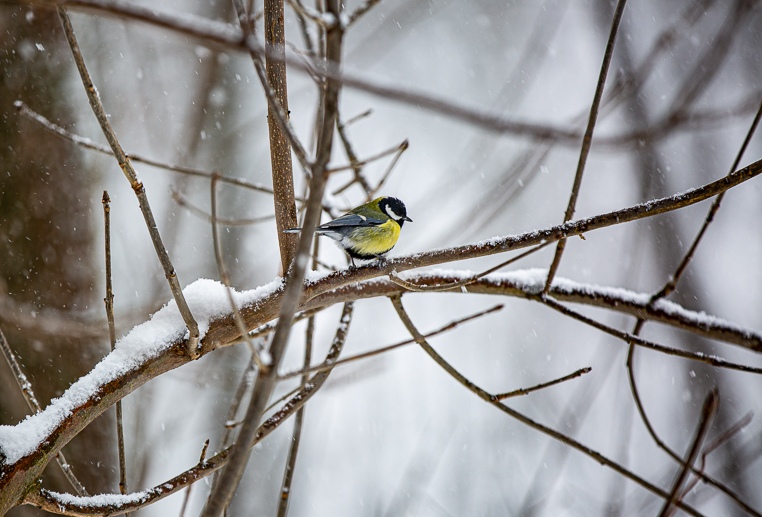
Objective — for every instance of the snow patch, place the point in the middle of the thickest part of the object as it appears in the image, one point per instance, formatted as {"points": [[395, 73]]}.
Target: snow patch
{"points": [[207, 299]]}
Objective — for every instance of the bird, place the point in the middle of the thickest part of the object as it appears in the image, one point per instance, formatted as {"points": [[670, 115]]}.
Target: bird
{"points": [[368, 231]]}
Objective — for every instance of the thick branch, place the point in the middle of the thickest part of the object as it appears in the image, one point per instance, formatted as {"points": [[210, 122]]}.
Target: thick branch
{"points": [[18, 477], [280, 149]]}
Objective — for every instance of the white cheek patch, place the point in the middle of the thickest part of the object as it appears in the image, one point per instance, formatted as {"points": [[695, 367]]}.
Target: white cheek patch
{"points": [[391, 213]]}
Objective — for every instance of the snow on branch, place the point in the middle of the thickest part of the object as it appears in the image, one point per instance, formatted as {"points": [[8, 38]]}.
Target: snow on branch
{"points": [[208, 301]]}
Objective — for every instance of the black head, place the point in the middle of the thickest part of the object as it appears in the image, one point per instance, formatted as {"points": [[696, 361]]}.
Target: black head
{"points": [[395, 209]]}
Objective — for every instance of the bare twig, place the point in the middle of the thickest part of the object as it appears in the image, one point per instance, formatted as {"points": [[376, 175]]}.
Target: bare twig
{"points": [[389, 348], [708, 412], [103, 149], [492, 399], [263, 388], [635, 340], [526, 391], [670, 286], [222, 34], [186, 499], [714, 445], [311, 14], [587, 139], [184, 202], [360, 11], [296, 434], [222, 270], [385, 176], [354, 163], [137, 186], [109, 302], [356, 166], [244, 386], [21, 379], [411, 286]]}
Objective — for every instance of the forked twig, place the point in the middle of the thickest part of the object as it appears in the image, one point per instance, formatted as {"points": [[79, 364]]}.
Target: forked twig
{"points": [[665, 291], [491, 399], [708, 412], [186, 499]]}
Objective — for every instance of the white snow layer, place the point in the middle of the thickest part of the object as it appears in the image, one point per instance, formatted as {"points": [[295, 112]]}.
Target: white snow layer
{"points": [[207, 300]]}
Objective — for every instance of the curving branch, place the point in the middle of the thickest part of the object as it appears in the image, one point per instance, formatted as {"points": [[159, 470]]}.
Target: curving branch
{"points": [[160, 345], [223, 34]]}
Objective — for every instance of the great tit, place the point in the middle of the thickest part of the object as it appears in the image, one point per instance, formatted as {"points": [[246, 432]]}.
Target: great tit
{"points": [[368, 231]]}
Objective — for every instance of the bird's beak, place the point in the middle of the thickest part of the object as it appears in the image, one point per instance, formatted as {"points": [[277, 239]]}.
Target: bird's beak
{"points": [[407, 219]]}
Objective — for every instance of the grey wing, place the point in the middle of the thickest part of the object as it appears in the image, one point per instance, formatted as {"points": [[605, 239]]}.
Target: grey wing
{"points": [[350, 221]]}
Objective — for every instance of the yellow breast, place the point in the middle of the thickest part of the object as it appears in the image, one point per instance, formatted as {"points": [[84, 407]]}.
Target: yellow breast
{"points": [[377, 239]]}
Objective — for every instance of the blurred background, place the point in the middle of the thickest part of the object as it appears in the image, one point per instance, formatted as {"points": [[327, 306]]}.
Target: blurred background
{"points": [[395, 435]]}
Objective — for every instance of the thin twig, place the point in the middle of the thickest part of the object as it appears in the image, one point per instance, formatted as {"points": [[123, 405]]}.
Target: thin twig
{"points": [[357, 118], [21, 379], [714, 445], [247, 380], [360, 11], [137, 186], [385, 176], [222, 270], [526, 391], [186, 500], [103, 149], [223, 34], [184, 202], [306, 34], [708, 412], [587, 139], [220, 497], [316, 17], [670, 286], [410, 286], [491, 399], [635, 340], [354, 163], [665, 291], [109, 302], [378, 351], [296, 433]]}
